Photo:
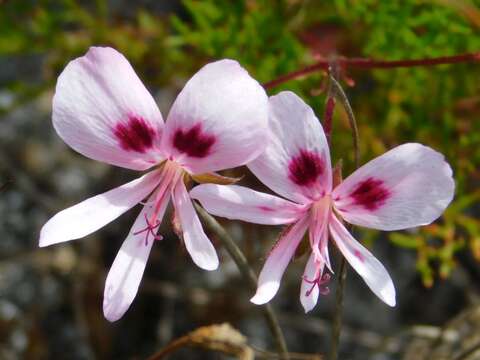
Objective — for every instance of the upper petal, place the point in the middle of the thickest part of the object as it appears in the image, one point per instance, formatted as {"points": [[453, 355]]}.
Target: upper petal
{"points": [[103, 111], [296, 162], [218, 121], [92, 214], [197, 243], [241, 203], [408, 186], [363, 262], [125, 275], [277, 261]]}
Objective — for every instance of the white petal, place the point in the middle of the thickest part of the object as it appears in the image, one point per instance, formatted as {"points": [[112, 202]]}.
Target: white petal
{"points": [[408, 186], [241, 203], [296, 163], [312, 269], [363, 262], [103, 111], [127, 269], [277, 261], [90, 215], [218, 121], [197, 243]]}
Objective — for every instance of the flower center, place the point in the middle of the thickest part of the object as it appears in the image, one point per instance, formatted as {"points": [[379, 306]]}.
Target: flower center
{"points": [[171, 173]]}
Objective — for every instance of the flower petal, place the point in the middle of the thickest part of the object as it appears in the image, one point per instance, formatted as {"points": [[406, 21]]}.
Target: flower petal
{"points": [[363, 262], [241, 203], [90, 215], [218, 121], [103, 111], [127, 269], [318, 231], [277, 261], [296, 163], [408, 186], [309, 292], [197, 243]]}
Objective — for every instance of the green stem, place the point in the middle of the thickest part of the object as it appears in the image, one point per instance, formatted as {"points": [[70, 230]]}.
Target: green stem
{"points": [[247, 273]]}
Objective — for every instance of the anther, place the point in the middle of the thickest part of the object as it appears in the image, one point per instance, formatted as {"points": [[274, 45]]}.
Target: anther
{"points": [[149, 230], [321, 282]]}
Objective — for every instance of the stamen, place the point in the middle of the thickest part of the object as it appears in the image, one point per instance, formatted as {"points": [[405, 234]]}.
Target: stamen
{"points": [[321, 282], [149, 230]]}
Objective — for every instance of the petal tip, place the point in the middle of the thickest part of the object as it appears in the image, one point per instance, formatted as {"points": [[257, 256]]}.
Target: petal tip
{"points": [[307, 308], [258, 299], [265, 293], [111, 315], [46, 239], [207, 263], [391, 301]]}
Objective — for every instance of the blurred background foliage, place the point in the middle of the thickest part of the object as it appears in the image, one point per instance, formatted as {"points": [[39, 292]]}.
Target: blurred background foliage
{"points": [[167, 41]]}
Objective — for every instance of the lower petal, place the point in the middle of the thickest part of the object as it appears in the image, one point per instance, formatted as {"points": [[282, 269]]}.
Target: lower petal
{"points": [[197, 243], [309, 289], [277, 261], [90, 215], [365, 264], [127, 269]]}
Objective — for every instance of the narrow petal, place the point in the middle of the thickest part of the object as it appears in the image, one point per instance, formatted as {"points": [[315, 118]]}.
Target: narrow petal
{"points": [[408, 186], [296, 163], [218, 121], [318, 231], [363, 262], [103, 111], [197, 243], [277, 261], [90, 215], [241, 203], [309, 292], [127, 269]]}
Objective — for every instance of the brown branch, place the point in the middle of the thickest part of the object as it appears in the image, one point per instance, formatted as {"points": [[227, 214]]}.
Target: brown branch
{"points": [[365, 63]]}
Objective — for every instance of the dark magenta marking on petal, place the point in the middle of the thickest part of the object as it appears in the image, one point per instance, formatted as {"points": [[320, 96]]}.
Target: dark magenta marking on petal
{"points": [[135, 134], [193, 142], [370, 193], [305, 168]]}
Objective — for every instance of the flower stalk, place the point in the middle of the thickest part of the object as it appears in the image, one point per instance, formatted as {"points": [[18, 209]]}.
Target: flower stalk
{"points": [[337, 91], [247, 273]]}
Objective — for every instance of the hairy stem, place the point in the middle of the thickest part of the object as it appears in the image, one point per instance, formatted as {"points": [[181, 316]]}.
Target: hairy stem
{"points": [[363, 63], [247, 273], [336, 90]]}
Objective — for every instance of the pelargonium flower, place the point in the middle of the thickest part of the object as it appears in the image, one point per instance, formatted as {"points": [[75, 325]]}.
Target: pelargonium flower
{"points": [[102, 110], [408, 186]]}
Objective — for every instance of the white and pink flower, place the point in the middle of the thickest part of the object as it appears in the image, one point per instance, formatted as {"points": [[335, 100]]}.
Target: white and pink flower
{"points": [[102, 110], [410, 185]]}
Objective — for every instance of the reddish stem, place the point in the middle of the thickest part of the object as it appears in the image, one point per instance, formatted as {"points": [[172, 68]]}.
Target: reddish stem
{"points": [[363, 63]]}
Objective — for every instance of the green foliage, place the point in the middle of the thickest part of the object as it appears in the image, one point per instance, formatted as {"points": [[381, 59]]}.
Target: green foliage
{"points": [[257, 34]]}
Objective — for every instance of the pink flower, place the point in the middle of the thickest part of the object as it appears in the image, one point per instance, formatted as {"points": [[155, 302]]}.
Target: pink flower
{"points": [[103, 111], [408, 186]]}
